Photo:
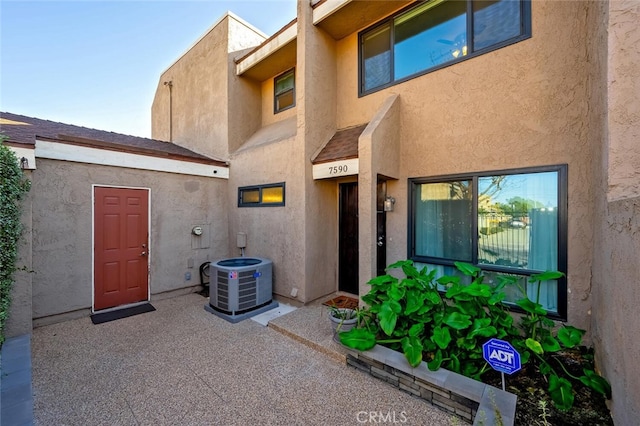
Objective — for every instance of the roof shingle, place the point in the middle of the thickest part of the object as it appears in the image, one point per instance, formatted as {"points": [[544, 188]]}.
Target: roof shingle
{"points": [[21, 129], [342, 146]]}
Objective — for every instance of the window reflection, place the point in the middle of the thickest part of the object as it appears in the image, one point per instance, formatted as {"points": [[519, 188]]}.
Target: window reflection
{"points": [[518, 221]]}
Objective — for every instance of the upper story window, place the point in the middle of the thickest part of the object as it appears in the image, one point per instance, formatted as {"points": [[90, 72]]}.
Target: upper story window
{"points": [[435, 34], [506, 223], [270, 195], [284, 91]]}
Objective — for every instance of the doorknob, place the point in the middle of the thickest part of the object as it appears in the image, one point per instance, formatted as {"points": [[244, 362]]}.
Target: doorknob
{"points": [[144, 253], [380, 241]]}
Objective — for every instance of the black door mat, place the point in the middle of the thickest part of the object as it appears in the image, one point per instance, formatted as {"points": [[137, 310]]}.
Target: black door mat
{"points": [[121, 313]]}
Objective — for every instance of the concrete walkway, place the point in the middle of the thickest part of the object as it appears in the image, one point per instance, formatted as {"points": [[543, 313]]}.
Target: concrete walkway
{"points": [[181, 365]]}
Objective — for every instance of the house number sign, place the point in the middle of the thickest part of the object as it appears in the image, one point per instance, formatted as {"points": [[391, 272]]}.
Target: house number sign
{"points": [[336, 169]]}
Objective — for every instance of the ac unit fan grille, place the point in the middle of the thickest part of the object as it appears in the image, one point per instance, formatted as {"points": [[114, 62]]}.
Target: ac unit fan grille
{"points": [[223, 290], [247, 290]]}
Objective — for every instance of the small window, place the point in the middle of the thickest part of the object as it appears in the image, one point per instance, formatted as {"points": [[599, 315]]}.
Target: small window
{"points": [[435, 34], [506, 223], [284, 91], [270, 195]]}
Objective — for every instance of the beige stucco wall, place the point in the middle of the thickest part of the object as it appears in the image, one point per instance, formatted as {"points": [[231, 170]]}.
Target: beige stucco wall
{"points": [[63, 227], [616, 264], [378, 158], [205, 97], [275, 233], [535, 116], [316, 99]]}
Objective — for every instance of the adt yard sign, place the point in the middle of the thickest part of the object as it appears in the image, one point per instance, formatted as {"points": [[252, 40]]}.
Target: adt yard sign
{"points": [[501, 356]]}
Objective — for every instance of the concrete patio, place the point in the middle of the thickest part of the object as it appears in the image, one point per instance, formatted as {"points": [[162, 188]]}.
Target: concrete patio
{"points": [[183, 365]]}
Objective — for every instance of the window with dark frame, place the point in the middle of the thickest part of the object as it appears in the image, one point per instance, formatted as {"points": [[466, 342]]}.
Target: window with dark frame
{"points": [[284, 91], [271, 195], [435, 34], [511, 222]]}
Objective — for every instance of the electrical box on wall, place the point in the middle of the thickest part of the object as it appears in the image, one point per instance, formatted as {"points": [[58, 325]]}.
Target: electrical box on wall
{"points": [[241, 240], [200, 236]]}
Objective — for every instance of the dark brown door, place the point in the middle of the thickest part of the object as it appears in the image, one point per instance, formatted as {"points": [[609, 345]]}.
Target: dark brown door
{"points": [[381, 222], [121, 225], [348, 238]]}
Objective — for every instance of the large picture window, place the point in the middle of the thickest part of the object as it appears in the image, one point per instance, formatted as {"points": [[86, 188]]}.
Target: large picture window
{"points": [[509, 222], [435, 34]]}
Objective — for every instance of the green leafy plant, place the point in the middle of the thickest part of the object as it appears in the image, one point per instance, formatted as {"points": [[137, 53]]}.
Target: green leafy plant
{"points": [[446, 329], [12, 187], [542, 341], [342, 313], [445, 322]]}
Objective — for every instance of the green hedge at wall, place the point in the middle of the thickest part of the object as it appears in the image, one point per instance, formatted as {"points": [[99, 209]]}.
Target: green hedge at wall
{"points": [[13, 186]]}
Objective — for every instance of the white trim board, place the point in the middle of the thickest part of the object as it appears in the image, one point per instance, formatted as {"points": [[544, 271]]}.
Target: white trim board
{"points": [[83, 154], [336, 169]]}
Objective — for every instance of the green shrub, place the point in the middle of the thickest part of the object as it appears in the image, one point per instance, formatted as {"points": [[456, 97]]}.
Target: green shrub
{"points": [[12, 187], [448, 328]]}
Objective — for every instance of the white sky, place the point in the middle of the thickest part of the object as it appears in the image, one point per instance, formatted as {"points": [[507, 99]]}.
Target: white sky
{"points": [[97, 63]]}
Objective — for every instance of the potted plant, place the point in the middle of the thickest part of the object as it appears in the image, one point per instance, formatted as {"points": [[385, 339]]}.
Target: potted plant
{"points": [[342, 319]]}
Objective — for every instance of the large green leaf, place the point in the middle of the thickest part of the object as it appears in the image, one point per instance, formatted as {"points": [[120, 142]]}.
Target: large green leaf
{"points": [[399, 264], [388, 316], [448, 279], [412, 348], [433, 297], [467, 269], [457, 320], [570, 336], [416, 329], [497, 298], [383, 279], [549, 344], [561, 392], [478, 290], [396, 291], [504, 280], [358, 338], [409, 269], [441, 337], [482, 327], [436, 362], [535, 346], [415, 300], [531, 307], [453, 290], [546, 276], [454, 363], [596, 382]]}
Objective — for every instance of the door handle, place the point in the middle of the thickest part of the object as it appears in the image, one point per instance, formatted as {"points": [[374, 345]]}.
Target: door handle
{"points": [[380, 241], [144, 253]]}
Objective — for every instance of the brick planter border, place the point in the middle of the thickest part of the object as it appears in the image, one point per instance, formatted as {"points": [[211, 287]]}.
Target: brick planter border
{"points": [[466, 398]]}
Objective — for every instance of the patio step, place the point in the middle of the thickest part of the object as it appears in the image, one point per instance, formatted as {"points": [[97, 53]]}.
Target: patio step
{"points": [[310, 326]]}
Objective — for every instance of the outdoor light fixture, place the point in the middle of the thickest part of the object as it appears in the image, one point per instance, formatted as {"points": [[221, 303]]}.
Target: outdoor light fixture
{"points": [[389, 203], [24, 163]]}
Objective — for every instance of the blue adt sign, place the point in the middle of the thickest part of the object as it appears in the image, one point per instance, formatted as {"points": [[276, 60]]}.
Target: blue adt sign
{"points": [[501, 356]]}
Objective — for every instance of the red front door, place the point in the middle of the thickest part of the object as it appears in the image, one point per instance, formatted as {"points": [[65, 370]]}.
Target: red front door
{"points": [[121, 222]]}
